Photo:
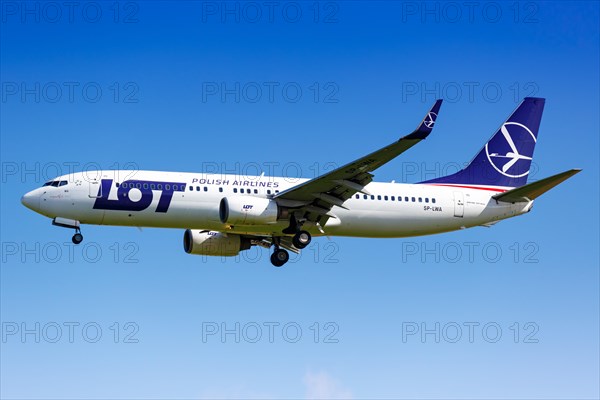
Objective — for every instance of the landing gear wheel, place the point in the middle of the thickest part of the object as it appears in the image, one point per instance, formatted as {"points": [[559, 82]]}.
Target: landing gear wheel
{"points": [[77, 238], [279, 257], [301, 239]]}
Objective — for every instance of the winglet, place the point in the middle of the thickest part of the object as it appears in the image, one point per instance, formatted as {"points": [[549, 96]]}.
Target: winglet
{"points": [[426, 126], [533, 190]]}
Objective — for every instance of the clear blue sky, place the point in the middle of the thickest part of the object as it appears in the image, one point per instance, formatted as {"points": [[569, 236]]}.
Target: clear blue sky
{"points": [[295, 89]]}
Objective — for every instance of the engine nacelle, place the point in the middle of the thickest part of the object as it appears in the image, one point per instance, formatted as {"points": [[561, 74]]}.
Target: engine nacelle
{"points": [[211, 243], [248, 210]]}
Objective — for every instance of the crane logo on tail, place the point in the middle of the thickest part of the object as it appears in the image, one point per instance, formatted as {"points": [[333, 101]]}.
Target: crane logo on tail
{"points": [[510, 153]]}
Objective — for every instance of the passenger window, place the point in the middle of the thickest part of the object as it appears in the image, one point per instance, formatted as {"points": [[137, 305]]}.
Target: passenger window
{"points": [[405, 198], [372, 197], [153, 186], [357, 196], [220, 189], [145, 186], [139, 185], [191, 188], [393, 198], [365, 197], [426, 199], [378, 197], [255, 191], [159, 186], [420, 199], [385, 198], [117, 184], [433, 200], [277, 191], [413, 199], [234, 190], [268, 191], [197, 188], [205, 188], [242, 190], [167, 187]]}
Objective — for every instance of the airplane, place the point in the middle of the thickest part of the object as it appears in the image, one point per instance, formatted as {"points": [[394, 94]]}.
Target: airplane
{"points": [[225, 214]]}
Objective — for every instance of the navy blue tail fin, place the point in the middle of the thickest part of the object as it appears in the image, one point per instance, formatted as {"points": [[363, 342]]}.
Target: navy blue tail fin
{"points": [[506, 158]]}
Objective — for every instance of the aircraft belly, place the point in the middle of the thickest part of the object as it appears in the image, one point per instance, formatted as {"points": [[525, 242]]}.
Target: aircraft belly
{"points": [[391, 223]]}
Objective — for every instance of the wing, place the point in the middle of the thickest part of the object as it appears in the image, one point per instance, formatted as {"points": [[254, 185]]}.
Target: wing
{"points": [[314, 199]]}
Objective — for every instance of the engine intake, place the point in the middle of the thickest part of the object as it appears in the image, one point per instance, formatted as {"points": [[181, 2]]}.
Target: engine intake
{"points": [[248, 210], [212, 243]]}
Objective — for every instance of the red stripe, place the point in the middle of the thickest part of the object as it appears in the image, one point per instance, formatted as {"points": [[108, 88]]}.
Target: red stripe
{"points": [[474, 187]]}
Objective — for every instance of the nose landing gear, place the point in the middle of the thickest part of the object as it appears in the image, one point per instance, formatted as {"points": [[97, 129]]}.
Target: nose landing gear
{"points": [[72, 224], [77, 237]]}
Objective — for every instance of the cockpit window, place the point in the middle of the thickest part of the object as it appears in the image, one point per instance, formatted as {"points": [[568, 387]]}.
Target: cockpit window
{"points": [[55, 183]]}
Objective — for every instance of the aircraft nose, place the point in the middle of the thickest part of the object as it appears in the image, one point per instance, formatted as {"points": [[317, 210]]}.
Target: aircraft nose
{"points": [[31, 201]]}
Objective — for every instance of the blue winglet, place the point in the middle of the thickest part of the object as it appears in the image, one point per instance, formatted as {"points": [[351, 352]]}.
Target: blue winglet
{"points": [[426, 126]]}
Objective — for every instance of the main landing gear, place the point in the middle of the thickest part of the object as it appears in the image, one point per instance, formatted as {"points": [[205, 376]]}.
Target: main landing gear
{"points": [[301, 239], [280, 256]]}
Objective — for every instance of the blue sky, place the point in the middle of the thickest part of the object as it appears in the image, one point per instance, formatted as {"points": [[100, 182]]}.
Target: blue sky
{"points": [[297, 88]]}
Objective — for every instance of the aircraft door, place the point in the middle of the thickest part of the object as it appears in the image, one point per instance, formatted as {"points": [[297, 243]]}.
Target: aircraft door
{"points": [[459, 204], [93, 180]]}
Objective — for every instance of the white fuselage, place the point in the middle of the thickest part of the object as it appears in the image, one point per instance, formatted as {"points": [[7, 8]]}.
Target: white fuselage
{"points": [[190, 200]]}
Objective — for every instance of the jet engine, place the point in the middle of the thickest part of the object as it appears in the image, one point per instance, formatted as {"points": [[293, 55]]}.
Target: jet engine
{"points": [[248, 210], [211, 243]]}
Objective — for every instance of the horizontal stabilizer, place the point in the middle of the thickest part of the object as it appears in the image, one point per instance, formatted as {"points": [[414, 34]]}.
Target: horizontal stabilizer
{"points": [[533, 190]]}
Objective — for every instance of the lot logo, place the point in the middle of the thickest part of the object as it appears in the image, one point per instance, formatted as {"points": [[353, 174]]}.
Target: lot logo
{"points": [[510, 153], [136, 195], [430, 119]]}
